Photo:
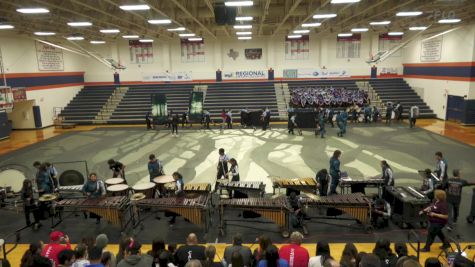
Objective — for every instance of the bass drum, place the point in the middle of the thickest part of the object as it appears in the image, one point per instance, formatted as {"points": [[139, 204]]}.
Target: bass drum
{"points": [[12, 178], [71, 177]]}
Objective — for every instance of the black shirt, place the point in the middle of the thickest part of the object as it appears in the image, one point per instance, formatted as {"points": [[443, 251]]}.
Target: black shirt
{"points": [[117, 166], [454, 190], [189, 252]]}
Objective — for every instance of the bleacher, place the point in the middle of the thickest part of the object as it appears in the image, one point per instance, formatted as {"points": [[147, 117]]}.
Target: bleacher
{"points": [[235, 96], [347, 84], [83, 108], [137, 102], [397, 89]]}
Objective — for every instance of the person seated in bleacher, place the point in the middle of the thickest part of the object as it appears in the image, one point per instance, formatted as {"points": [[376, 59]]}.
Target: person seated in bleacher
{"points": [[260, 252], [190, 251], [237, 246], [349, 255], [272, 258], [322, 253], [382, 250]]}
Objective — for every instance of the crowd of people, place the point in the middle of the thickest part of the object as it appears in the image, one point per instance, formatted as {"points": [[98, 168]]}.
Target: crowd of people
{"points": [[310, 97], [93, 252]]}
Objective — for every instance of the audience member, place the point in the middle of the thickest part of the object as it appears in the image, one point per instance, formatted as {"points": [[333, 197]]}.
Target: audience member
{"points": [[293, 253], [432, 262], [66, 258], [411, 262], [133, 256], [237, 246], [81, 256], [101, 242], [260, 252], [122, 246], [33, 252], [190, 251], [106, 259], [331, 263], [194, 263], [383, 251], [369, 260], [95, 257], [358, 258], [210, 254], [52, 249], [321, 255], [159, 252], [401, 249], [349, 255], [272, 258], [236, 260]]}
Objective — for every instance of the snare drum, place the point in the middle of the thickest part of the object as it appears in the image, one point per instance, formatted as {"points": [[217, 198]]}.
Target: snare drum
{"points": [[148, 189], [114, 181], [12, 178], [118, 190]]}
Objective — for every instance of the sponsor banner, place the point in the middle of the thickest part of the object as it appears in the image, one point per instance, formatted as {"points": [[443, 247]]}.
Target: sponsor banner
{"points": [[247, 74], [167, 76], [322, 73], [290, 73]]}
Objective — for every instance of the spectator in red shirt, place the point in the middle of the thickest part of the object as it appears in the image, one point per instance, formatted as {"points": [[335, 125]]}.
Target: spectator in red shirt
{"points": [[438, 214], [52, 249], [293, 253]]}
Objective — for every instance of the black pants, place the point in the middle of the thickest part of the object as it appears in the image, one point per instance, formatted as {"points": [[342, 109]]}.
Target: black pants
{"points": [[412, 122], [435, 229], [149, 124], [174, 128], [222, 171], [36, 213], [229, 124], [453, 212]]}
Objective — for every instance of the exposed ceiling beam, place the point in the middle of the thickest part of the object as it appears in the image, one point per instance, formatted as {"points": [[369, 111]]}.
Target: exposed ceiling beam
{"points": [[185, 10], [263, 17], [289, 13]]}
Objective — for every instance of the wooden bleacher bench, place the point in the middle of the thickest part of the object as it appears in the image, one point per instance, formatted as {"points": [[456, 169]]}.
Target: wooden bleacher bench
{"points": [[59, 124]]}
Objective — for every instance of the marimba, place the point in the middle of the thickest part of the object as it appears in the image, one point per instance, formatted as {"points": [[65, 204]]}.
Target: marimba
{"points": [[307, 184], [359, 185], [276, 210], [406, 202], [196, 210], [112, 209], [356, 205], [200, 188], [251, 189]]}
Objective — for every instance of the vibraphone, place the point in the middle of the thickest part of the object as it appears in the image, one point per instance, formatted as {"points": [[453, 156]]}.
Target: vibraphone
{"points": [[200, 188], [296, 184], [276, 210], [251, 189], [406, 202], [196, 210], [359, 185], [112, 209], [356, 205]]}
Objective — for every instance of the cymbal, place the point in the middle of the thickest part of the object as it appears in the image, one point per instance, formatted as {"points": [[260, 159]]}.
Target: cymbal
{"points": [[48, 197], [163, 179], [137, 196]]}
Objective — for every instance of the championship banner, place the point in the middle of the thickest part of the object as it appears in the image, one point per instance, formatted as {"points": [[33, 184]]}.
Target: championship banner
{"points": [[167, 76], [192, 51], [140, 53], [296, 49], [242, 75], [49, 58], [348, 47], [159, 108], [388, 42], [196, 106], [322, 73]]}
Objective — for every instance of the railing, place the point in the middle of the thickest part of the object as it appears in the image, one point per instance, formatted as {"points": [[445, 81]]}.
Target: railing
{"points": [[412, 234], [3, 242]]}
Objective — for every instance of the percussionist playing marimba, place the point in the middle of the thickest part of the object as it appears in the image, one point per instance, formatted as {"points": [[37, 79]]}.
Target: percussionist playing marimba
{"points": [[94, 188], [179, 192]]}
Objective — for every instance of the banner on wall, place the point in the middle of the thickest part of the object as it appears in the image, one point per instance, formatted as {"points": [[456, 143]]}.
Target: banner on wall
{"points": [[49, 57], [247, 74], [290, 73], [167, 76], [19, 94], [296, 49], [253, 53], [6, 98], [315, 73], [388, 42], [431, 49], [348, 47], [140, 53], [192, 51]]}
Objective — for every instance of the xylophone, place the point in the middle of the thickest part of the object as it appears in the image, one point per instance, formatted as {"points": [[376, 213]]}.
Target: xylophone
{"points": [[356, 205], [296, 184], [406, 202], [112, 209], [196, 210], [251, 189], [200, 188], [276, 210], [359, 185]]}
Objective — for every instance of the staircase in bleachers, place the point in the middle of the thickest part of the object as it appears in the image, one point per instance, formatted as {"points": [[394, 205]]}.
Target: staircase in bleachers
{"points": [[235, 96], [85, 106], [395, 90], [137, 102]]}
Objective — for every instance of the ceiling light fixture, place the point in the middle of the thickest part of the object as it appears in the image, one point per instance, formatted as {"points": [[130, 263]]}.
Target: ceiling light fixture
{"points": [[130, 36], [159, 21], [134, 7], [444, 21], [109, 31], [324, 16], [294, 36], [384, 22], [195, 39], [244, 38], [418, 28], [244, 18], [239, 3], [6, 27], [314, 24], [345, 34], [187, 35], [80, 24], [179, 29], [243, 33], [359, 29], [408, 13], [395, 33], [242, 26], [97, 42], [75, 38], [45, 33], [301, 31], [33, 10], [344, 1], [146, 40]]}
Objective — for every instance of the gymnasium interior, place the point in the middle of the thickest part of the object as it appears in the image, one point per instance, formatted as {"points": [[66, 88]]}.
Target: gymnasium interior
{"points": [[280, 85]]}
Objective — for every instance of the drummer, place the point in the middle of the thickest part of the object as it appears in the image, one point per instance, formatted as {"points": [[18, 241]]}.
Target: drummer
{"points": [[118, 169], [30, 204], [155, 167], [94, 188], [179, 192], [44, 182]]}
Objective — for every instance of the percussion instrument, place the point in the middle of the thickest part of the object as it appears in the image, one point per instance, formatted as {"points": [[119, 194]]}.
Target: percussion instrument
{"points": [[114, 181], [196, 210], [47, 198], [118, 190], [356, 205], [13, 178], [406, 202], [296, 184], [251, 189], [163, 179], [170, 186], [71, 188], [112, 209], [276, 210], [70, 178], [137, 196], [200, 188], [359, 185], [148, 189]]}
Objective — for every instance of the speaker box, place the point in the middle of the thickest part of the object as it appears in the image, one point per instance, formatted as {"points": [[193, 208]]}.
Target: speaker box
{"points": [[220, 14], [231, 15]]}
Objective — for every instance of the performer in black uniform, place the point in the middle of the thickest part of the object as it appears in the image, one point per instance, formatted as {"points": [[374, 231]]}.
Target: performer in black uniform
{"points": [[387, 175], [94, 188], [118, 169], [322, 181], [29, 203], [441, 169], [381, 213]]}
